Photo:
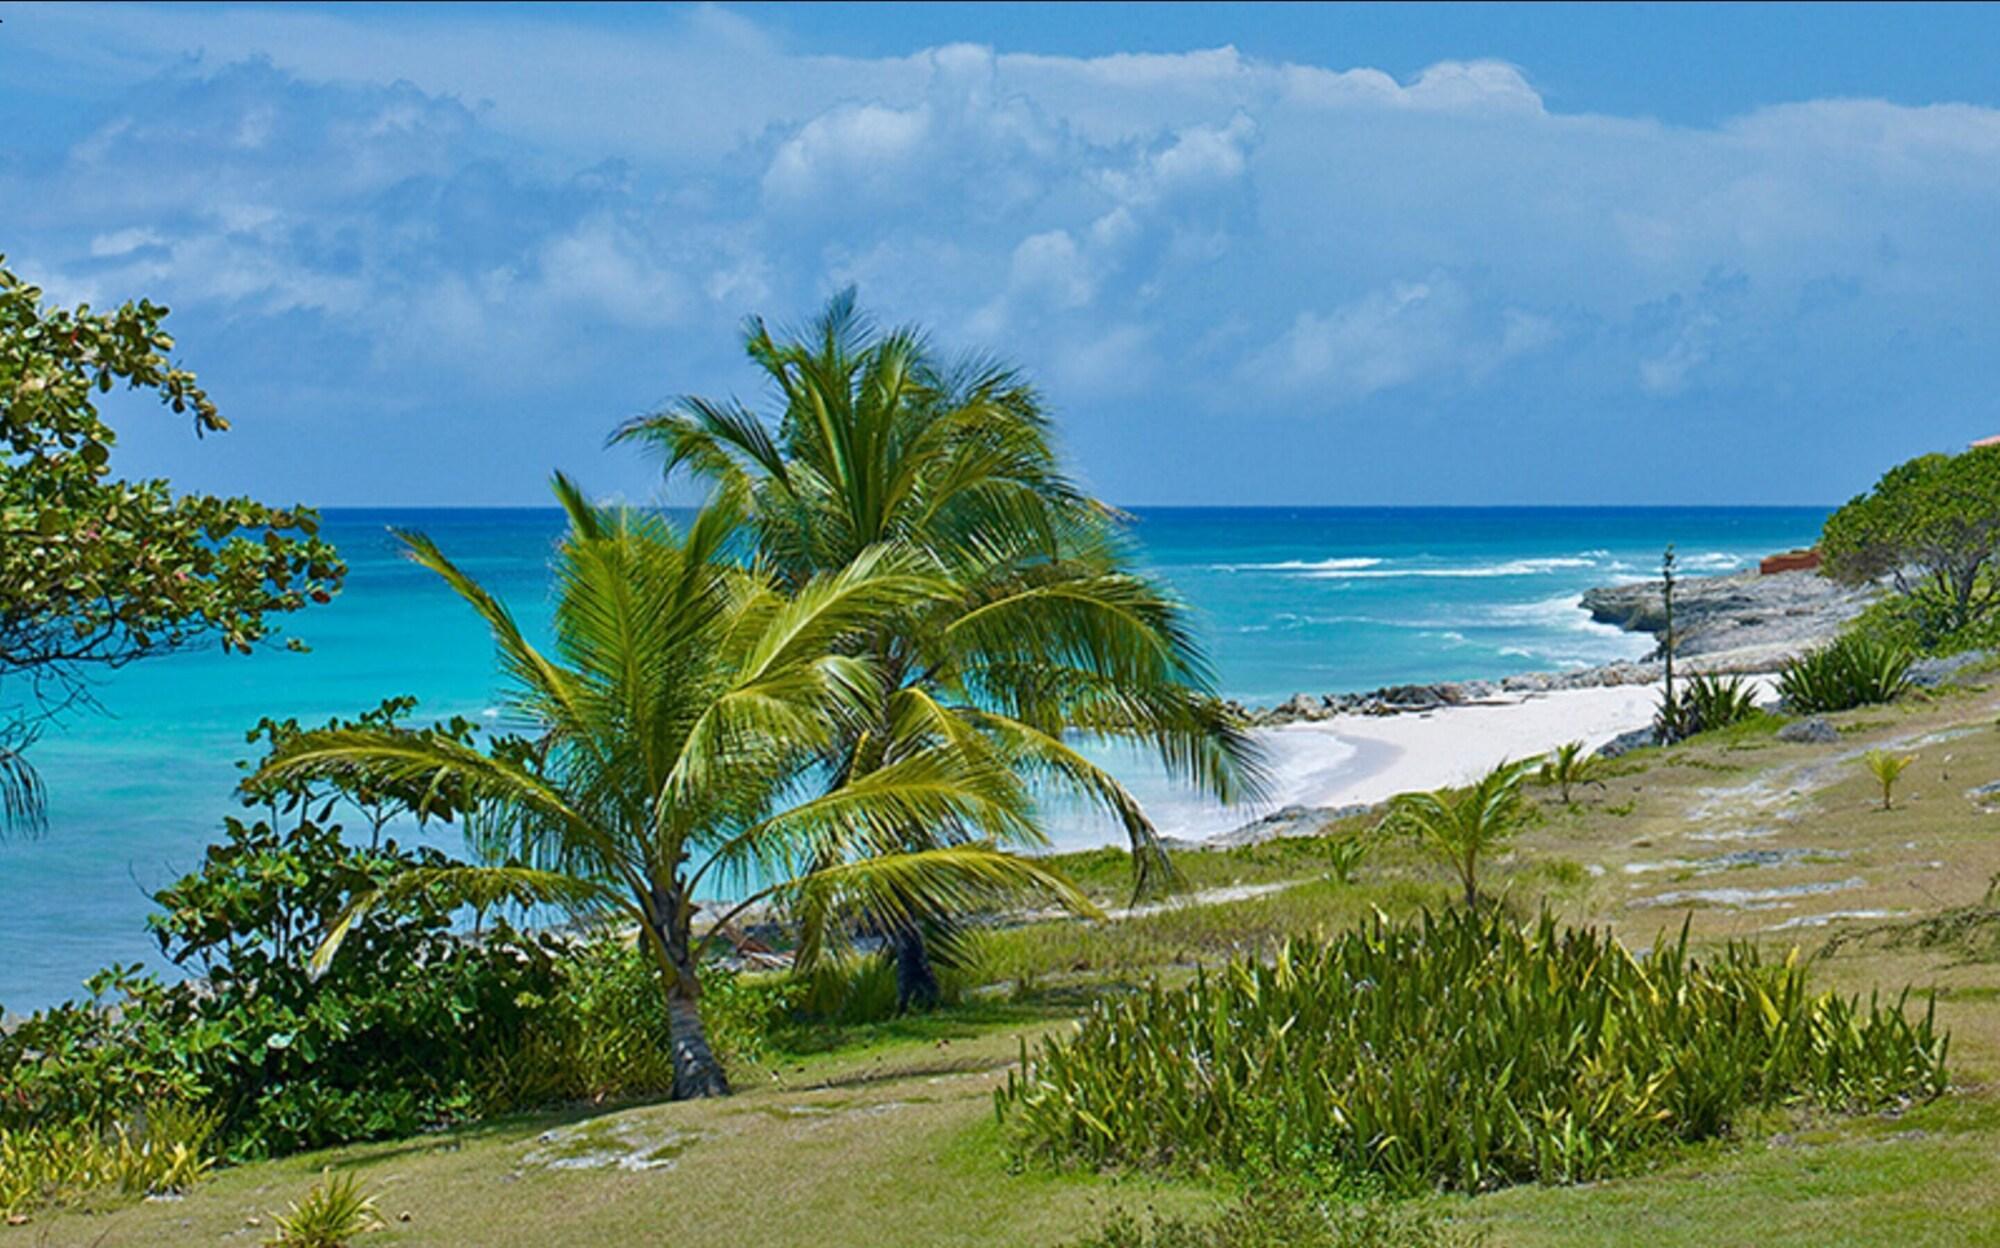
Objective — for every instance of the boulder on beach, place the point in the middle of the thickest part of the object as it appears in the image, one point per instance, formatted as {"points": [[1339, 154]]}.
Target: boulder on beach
{"points": [[1811, 731]]}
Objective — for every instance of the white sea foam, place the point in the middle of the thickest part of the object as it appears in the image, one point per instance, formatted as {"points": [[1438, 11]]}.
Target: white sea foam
{"points": [[1299, 565], [1512, 567]]}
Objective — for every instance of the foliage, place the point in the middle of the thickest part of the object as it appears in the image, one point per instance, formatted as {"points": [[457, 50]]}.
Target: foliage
{"points": [[1855, 669], [1463, 1050], [1197, 934], [95, 570], [1970, 932], [687, 698], [1345, 854], [1931, 526], [163, 1150], [1042, 630], [1570, 766], [1713, 701], [392, 1040], [1464, 826], [329, 1216], [1283, 1215], [1887, 768]]}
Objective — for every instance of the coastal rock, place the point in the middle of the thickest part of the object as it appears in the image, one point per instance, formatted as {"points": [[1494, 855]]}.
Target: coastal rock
{"points": [[1626, 742], [1930, 673], [1285, 822], [1813, 731], [1786, 611], [1985, 794]]}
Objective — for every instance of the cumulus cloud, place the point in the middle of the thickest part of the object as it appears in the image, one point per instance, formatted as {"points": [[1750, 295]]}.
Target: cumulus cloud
{"points": [[502, 207]]}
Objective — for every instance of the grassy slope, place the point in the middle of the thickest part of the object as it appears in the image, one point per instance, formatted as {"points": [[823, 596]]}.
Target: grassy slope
{"points": [[889, 1139]]}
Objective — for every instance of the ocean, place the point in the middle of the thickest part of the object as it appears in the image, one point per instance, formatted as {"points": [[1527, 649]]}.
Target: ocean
{"points": [[1289, 599]]}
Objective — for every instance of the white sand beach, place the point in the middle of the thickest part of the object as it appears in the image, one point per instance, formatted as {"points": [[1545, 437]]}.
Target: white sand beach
{"points": [[1381, 756]]}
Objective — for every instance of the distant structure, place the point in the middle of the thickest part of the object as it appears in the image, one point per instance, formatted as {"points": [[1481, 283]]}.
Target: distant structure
{"points": [[1979, 442], [1790, 561]]}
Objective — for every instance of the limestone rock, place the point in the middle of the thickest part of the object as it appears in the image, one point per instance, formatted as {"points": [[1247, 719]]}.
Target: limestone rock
{"points": [[1812, 731]]}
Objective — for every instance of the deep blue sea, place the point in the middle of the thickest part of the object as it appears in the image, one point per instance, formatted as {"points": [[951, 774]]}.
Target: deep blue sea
{"points": [[1290, 599]]}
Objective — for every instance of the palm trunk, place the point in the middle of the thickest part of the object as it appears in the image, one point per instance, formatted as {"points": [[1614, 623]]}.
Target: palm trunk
{"points": [[916, 980], [697, 1073]]}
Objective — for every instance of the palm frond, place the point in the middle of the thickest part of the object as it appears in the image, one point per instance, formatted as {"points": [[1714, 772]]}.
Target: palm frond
{"points": [[898, 890]]}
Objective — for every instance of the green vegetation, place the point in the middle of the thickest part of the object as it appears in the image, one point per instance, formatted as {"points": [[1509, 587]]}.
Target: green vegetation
{"points": [[1712, 702], [1463, 1050], [1931, 526], [330, 1215], [1464, 826], [1887, 768], [1041, 631], [162, 1151], [1278, 1214], [97, 571], [1570, 766], [1856, 669], [690, 695]]}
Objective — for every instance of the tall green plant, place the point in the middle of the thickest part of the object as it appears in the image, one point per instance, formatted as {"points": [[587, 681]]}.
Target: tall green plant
{"points": [[1853, 670], [1465, 826], [1044, 632], [669, 736], [1460, 1049]]}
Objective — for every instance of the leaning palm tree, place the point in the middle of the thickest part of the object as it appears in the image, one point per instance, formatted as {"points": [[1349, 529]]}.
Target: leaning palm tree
{"points": [[1046, 632], [662, 748], [1463, 826]]}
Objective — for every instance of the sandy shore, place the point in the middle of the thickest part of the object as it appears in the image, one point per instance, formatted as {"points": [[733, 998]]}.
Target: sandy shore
{"points": [[1381, 756]]}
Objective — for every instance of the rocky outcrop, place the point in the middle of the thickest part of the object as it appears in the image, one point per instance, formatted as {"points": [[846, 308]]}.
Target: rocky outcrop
{"points": [[1289, 821], [1785, 612]]}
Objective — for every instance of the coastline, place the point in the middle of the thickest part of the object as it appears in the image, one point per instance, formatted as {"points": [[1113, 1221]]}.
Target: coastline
{"points": [[1409, 738]]}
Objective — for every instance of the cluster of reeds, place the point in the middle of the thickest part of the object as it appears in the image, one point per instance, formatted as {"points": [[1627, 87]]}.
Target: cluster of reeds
{"points": [[1459, 1049]]}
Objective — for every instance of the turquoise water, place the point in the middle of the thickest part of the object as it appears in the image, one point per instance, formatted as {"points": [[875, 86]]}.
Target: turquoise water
{"points": [[1290, 599]]}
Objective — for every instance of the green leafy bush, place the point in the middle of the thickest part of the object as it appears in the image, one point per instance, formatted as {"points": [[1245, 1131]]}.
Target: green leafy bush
{"points": [[1854, 670], [1463, 1050], [386, 1043]]}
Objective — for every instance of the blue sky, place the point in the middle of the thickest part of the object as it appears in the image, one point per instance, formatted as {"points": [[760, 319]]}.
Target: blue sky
{"points": [[1423, 254]]}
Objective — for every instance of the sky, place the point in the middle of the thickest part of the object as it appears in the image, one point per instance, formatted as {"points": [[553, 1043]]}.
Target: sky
{"points": [[1419, 254]]}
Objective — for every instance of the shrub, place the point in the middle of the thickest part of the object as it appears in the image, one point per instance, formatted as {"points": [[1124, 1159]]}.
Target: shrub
{"points": [[1463, 1050], [162, 1150], [330, 1215], [1854, 670], [1717, 701]]}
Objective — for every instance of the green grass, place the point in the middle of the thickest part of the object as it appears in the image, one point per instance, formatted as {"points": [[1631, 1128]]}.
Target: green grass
{"points": [[883, 1133]]}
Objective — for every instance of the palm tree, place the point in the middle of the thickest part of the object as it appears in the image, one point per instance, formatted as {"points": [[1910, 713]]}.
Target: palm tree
{"points": [[663, 748], [1569, 767], [1046, 630], [1887, 768], [1465, 825]]}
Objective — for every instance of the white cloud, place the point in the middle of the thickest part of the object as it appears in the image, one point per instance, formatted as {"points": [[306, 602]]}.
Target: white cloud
{"points": [[1404, 333], [485, 203]]}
